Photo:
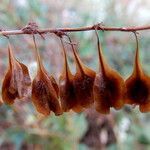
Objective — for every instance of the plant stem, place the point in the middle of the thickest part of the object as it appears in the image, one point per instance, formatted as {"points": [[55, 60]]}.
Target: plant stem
{"points": [[80, 29]]}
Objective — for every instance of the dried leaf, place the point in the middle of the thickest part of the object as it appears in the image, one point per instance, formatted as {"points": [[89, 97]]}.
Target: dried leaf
{"points": [[16, 82], [67, 91], [83, 82], [45, 90], [108, 87], [138, 85]]}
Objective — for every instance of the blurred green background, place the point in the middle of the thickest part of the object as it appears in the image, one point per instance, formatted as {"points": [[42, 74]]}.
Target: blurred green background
{"points": [[21, 127]]}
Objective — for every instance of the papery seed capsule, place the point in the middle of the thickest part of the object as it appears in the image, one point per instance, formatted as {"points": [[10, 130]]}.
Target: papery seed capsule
{"points": [[138, 85], [83, 82], [45, 90], [109, 86], [67, 91], [17, 81]]}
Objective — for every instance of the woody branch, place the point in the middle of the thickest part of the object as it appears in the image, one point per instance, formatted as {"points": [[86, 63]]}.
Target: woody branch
{"points": [[27, 30]]}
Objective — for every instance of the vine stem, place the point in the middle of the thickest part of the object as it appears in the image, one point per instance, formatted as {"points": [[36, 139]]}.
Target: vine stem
{"points": [[79, 29]]}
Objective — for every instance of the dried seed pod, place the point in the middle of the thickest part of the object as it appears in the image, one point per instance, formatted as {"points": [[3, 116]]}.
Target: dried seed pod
{"points": [[45, 90], [17, 81], [67, 91], [109, 86], [83, 82], [138, 85]]}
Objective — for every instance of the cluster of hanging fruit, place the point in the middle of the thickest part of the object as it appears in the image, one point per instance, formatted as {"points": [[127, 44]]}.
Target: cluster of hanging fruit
{"points": [[105, 89]]}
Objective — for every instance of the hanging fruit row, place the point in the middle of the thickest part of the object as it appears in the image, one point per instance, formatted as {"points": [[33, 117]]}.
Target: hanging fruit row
{"points": [[105, 89]]}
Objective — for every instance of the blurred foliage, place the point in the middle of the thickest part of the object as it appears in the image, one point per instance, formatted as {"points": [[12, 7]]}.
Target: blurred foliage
{"points": [[21, 127]]}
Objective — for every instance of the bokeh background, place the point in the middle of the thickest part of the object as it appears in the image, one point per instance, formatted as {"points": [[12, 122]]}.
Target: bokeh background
{"points": [[21, 127]]}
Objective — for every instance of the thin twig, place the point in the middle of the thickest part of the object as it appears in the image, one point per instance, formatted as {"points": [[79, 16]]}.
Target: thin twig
{"points": [[88, 28]]}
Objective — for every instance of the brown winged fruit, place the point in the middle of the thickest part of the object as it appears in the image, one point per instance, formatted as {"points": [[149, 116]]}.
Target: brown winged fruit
{"points": [[67, 92], [83, 82], [45, 90], [109, 86], [138, 85], [17, 81]]}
